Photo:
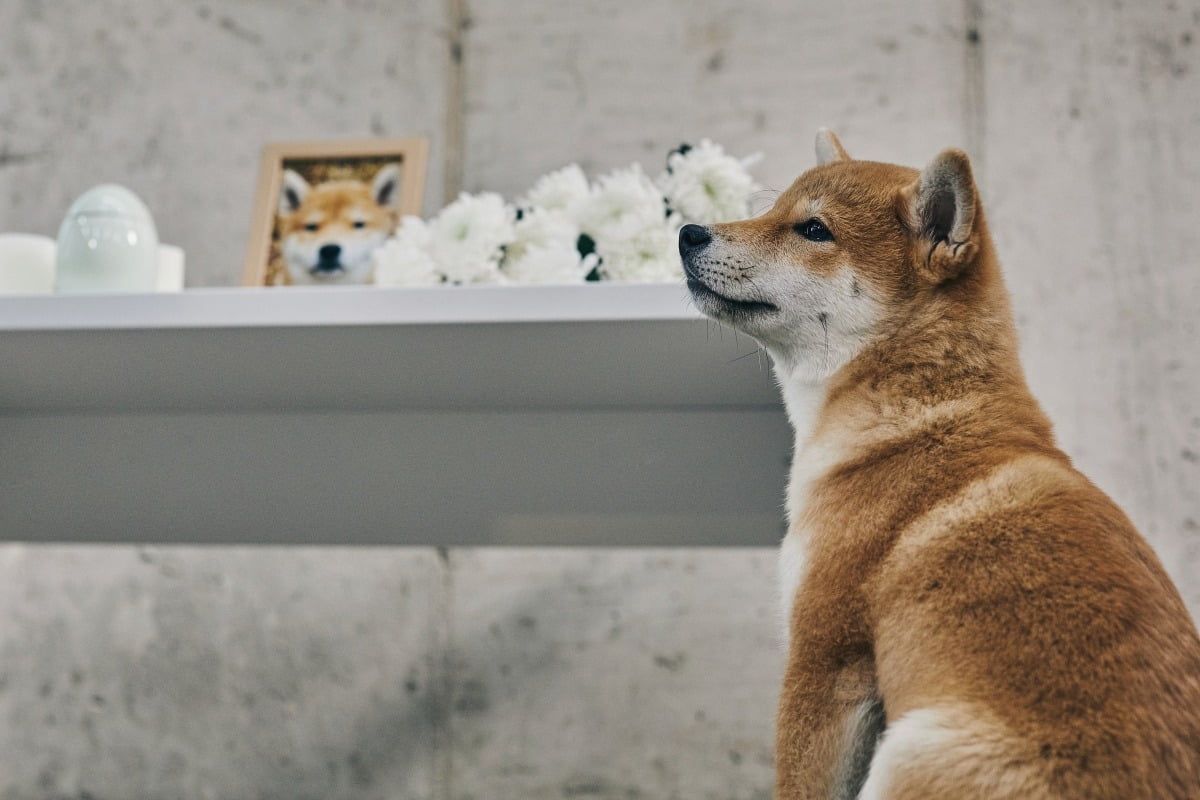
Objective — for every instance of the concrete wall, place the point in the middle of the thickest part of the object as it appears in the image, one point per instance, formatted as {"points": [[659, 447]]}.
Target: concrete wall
{"points": [[386, 673], [264, 673]]}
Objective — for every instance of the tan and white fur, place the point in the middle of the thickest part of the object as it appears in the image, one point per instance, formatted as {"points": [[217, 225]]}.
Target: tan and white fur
{"points": [[329, 231], [969, 616]]}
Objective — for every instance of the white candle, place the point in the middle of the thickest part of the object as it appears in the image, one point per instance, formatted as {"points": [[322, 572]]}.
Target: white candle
{"points": [[26, 263], [170, 269]]}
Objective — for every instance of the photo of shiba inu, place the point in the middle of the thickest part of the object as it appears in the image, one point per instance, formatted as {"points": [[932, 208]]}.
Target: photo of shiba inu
{"points": [[328, 231], [968, 615], [322, 208]]}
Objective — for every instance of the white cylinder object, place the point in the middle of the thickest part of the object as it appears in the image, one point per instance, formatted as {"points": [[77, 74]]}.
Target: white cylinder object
{"points": [[170, 269], [26, 263]]}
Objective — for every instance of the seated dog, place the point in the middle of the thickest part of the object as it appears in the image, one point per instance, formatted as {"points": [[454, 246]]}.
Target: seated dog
{"points": [[970, 617]]}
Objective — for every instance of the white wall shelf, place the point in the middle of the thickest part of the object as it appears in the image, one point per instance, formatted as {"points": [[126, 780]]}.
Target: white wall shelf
{"points": [[596, 414], [590, 346]]}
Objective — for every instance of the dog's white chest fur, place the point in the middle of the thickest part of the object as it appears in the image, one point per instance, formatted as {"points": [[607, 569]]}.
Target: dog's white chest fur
{"points": [[813, 457]]}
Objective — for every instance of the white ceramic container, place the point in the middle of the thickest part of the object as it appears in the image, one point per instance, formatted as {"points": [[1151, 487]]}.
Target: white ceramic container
{"points": [[107, 243]]}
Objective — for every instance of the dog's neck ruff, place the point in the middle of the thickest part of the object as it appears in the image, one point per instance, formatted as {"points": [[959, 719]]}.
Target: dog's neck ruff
{"points": [[803, 398]]}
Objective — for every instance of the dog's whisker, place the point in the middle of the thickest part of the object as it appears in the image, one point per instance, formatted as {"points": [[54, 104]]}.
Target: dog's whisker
{"points": [[823, 318], [756, 352]]}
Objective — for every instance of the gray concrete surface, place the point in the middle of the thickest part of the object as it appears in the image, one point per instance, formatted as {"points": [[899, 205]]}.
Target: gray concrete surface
{"points": [[259, 673], [385, 673], [607, 83], [614, 674], [266, 673]]}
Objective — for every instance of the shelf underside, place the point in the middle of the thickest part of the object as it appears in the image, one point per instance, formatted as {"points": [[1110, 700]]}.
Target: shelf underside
{"points": [[607, 478]]}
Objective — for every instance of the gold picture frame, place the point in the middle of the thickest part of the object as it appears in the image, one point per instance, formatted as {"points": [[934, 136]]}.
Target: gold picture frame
{"points": [[318, 163]]}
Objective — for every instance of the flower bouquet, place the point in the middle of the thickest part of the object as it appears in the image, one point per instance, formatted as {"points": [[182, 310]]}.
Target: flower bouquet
{"points": [[566, 229]]}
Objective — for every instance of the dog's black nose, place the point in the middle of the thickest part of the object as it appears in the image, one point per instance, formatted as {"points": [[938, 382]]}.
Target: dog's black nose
{"points": [[330, 253], [693, 238]]}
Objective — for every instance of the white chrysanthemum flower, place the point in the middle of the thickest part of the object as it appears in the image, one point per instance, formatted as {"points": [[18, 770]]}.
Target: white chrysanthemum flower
{"points": [[564, 190], [468, 237], [404, 259], [541, 227], [491, 277], [554, 264], [650, 256], [707, 185], [624, 204], [544, 249]]}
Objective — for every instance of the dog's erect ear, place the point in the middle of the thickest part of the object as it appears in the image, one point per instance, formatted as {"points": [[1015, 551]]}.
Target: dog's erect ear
{"points": [[940, 209], [386, 186], [829, 149], [292, 191]]}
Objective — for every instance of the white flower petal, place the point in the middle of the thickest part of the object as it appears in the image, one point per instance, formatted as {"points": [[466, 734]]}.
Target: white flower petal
{"points": [[624, 203], [404, 259], [564, 190], [650, 256], [548, 264], [468, 237], [706, 185], [540, 227]]}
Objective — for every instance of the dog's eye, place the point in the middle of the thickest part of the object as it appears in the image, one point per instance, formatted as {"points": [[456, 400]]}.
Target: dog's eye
{"points": [[312, 226], [359, 224], [814, 230]]}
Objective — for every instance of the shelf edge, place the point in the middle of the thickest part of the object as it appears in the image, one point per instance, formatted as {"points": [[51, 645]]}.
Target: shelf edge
{"points": [[346, 306]]}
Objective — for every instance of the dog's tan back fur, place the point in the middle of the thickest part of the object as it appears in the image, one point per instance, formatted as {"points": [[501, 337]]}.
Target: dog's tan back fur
{"points": [[1022, 638]]}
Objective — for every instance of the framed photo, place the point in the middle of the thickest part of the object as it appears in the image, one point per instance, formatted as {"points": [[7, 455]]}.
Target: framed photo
{"points": [[322, 208]]}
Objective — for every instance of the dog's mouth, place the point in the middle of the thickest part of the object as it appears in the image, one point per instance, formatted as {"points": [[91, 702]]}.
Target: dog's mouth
{"points": [[327, 269], [720, 305]]}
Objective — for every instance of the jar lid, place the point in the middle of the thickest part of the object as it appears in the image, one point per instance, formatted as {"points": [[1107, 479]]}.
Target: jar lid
{"points": [[110, 200]]}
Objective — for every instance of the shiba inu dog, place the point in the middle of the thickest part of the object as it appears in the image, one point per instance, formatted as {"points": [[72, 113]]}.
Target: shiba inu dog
{"points": [[969, 616], [329, 231]]}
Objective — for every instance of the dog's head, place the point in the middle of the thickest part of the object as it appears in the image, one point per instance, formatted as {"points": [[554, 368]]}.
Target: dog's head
{"points": [[844, 249], [329, 231]]}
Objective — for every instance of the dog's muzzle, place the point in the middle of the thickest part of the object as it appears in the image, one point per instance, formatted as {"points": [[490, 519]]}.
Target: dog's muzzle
{"points": [[693, 240], [329, 259]]}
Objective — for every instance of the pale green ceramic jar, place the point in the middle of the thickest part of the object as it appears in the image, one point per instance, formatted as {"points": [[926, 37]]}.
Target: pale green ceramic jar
{"points": [[107, 243]]}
